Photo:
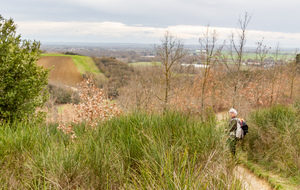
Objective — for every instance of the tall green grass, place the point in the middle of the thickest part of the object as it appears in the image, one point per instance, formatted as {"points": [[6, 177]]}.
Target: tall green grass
{"points": [[274, 140], [133, 151]]}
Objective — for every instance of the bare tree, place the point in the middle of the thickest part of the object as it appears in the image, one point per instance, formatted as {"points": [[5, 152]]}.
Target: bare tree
{"points": [[274, 72], [261, 52], [233, 61], [208, 58], [259, 87], [141, 90], [293, 74], [169, 53]]}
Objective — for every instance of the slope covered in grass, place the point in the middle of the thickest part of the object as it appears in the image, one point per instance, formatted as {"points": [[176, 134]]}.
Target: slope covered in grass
{"points": [[274, 140], [132, 151]]}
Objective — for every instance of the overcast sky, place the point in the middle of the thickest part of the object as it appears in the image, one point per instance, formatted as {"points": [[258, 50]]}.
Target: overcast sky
{"points": [[140, 21]]}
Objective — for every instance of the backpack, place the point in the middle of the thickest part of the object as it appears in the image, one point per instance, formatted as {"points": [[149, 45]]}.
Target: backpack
{"points": [[242, 128]]}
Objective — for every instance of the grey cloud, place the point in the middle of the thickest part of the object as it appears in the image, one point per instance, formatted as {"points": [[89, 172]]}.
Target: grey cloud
{"points": [[267, 15]]}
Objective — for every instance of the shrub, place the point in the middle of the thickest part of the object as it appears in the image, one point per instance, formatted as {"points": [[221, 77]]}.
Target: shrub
{"points": [[22, 81], [92, 109], [62, 94], [71, 53], [116, 71]]}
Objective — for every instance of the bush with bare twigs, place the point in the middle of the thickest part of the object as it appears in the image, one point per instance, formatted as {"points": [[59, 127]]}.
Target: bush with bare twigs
{"points": [[93, 108]]}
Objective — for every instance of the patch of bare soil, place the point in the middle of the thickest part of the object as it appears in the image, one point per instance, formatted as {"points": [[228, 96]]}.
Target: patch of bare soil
{"points": [[250, 180], [64, 72]]}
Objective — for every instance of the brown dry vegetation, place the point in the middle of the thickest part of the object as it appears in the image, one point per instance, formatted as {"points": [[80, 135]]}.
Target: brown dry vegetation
{"points": [[64, 70], [257, 90]]}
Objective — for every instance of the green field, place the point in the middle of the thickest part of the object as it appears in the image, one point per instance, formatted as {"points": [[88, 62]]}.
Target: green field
{"points": [[85, 64], [136, 64], [253, 55], [281, 55]]}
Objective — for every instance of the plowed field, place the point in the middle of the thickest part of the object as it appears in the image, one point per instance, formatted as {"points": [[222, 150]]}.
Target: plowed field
{"points": [[64, 72]]}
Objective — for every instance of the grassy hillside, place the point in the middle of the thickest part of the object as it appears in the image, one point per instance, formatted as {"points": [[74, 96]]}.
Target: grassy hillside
{"points": [[132, 151], [274, 141]]}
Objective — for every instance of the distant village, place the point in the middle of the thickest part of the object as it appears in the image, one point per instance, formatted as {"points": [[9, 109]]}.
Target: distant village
{"points": [[130, 53]]}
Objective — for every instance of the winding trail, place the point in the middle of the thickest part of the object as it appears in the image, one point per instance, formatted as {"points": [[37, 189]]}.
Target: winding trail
{"points": [[249, 179]]}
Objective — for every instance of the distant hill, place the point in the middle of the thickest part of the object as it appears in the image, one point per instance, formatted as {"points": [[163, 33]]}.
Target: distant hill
{"points": [[69, 69]]}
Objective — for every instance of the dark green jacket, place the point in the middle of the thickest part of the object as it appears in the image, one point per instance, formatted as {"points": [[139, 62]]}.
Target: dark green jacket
{"points": [[232, 126]]}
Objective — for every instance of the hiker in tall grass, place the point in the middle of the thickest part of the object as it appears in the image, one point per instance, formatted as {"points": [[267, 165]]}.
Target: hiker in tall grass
{"points": [[231, 130]]}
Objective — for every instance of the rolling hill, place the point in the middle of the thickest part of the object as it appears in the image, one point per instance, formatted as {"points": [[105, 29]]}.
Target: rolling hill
{"points": [[69, 69]]}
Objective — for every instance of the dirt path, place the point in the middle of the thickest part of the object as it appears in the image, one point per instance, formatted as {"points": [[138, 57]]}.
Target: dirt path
{"points": [[250, 181]]}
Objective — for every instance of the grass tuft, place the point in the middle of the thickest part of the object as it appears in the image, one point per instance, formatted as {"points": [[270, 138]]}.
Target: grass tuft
{"points": [[133, 151]]}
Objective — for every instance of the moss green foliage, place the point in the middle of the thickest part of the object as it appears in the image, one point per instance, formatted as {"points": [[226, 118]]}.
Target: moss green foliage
{"points": [[133, 151], [22, 82], [274, 140]]}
